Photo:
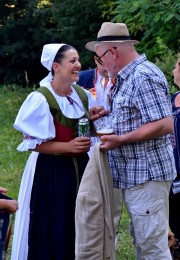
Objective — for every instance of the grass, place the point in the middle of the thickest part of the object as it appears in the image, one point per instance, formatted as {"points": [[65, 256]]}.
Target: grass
{"points": [[12, 162], [125, 249]]}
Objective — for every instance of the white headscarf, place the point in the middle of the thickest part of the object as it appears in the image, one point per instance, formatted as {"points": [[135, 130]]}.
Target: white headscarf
{"points": [[47, 58]]}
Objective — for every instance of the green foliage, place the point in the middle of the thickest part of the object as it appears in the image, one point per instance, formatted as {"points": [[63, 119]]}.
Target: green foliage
{"points": [[166, 63], [24, 29], [80, 22], [26, 25], [151, 21], [156, 24]]}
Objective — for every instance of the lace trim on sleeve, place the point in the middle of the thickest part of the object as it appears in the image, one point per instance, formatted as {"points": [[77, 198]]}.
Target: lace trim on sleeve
{"points": [[29, 143]]}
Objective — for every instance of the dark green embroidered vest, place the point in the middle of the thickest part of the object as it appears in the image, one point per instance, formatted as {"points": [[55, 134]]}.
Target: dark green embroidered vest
{"points": [[66, 128]]}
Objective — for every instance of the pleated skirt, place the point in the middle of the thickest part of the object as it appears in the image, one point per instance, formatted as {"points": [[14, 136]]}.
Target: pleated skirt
{"points": [[52, 207]]}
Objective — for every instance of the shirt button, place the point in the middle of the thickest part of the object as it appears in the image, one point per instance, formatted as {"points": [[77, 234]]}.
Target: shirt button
{"points": [[110, 237], [147, 212], [108, 257]]}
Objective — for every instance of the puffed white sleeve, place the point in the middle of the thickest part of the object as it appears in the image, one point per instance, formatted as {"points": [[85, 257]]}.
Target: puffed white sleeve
{"points": [[35, 121]]}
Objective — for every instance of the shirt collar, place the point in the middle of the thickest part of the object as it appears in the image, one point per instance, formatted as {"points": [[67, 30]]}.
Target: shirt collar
{"points": [[131, 66]]}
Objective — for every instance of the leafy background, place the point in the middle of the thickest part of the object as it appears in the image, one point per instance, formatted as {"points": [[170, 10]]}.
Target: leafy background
{"points": [[26, 25]]}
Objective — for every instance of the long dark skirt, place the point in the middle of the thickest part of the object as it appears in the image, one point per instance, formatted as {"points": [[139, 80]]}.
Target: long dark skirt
{"points": [[52, 207]]}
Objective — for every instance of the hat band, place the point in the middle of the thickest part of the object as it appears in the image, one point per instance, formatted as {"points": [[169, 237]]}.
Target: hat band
{"points": [[113, 38]]}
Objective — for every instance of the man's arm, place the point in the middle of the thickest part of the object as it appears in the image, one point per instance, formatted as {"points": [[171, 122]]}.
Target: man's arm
{"points": [[148, 131]]}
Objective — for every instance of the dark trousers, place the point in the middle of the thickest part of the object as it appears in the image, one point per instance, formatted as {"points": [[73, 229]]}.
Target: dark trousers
{"points": [[4, 222], [174, 213]]}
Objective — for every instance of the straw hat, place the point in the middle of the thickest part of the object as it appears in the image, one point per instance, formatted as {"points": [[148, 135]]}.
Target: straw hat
{"points": [[111, 32]]}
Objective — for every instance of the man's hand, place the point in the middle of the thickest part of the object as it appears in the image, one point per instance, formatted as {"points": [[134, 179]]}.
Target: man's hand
{"points": [[97, 112], [110, 142]]}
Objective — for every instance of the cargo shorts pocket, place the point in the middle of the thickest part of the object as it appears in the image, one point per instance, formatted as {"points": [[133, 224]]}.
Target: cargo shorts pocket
{"points": [[148, 222]]}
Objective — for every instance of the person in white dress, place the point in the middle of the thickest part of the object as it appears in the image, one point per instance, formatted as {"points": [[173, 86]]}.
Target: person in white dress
{"points": [[48, 118]]}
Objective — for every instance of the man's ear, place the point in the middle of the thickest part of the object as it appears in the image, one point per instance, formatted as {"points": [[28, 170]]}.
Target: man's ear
{"points": [[114, 52]]}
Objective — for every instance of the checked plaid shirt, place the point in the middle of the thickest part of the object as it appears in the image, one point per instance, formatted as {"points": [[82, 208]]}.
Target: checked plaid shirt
{"points": [[141, 95]]}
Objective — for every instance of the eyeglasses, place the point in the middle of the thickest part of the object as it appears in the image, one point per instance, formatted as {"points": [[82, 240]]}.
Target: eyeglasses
{"points": [[99, 58]]}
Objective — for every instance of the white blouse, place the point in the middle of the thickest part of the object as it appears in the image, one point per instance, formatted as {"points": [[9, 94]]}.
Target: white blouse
{"points": [[35, 120], [103, 92]]}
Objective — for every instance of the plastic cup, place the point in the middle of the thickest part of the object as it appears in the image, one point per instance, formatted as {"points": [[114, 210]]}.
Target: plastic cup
{"points": [[103, 126]]}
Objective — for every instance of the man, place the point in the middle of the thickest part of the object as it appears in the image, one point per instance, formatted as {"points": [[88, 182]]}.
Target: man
{"points": [[97, 82], [140, 154]]}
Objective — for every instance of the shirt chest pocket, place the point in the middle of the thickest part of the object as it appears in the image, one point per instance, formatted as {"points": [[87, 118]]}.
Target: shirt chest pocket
{"points": [[124, 110]]}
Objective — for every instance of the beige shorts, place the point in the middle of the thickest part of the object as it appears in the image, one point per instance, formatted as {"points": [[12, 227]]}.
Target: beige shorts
{"points": [[148, 208]]}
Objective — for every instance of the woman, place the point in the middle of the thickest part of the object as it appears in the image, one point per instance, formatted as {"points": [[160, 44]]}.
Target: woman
{"points": [[174, 198], [48, 120]]}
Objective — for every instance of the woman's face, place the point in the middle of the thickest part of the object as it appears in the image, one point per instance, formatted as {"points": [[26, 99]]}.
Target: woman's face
{"points": [[176, 73], [68, 70]]}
